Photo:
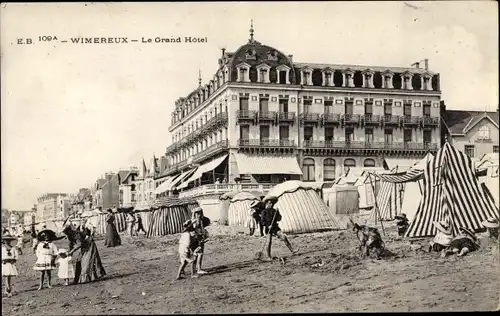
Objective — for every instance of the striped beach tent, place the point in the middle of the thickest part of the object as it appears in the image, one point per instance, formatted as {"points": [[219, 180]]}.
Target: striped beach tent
{"points": [[120, 222], [239, 207], [450, 186], [302, 209], [168, 216], [224, 201]]}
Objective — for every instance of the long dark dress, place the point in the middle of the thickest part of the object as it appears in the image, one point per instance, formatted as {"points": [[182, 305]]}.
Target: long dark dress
{"points": [[112, 237], [92, 268]]}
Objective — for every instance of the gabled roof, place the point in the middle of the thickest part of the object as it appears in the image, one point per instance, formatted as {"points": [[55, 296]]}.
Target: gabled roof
{"points": [[460, 122]]}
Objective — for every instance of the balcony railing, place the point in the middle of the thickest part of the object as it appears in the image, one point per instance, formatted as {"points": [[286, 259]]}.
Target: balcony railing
{"points": [[309, 117], [367, 145], [286, 116], [391, 119], [371, 119], [266, 143], [411, 120], [351, 118], [209, 189], [221, 145], [267, 115], [430, 121], [245, 114], [330, 118]]}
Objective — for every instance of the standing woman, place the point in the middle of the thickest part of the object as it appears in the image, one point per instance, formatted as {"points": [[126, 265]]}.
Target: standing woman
{"points": [[112, 237], [130, 223]]}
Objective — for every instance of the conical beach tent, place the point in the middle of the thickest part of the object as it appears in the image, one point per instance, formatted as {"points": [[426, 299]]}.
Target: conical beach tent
{"points": [[302, 208], [451, 187], [239, 208], [168, 217]]}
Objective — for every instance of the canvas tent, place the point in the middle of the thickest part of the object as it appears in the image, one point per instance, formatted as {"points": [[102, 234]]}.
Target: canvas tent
{"points": [[239, 208], [225, 199], [451, 187], [488, 170], [368, 186], [302, 208], [168, 216]]}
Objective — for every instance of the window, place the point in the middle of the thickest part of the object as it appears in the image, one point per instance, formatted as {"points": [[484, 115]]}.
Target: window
{"points": [[308, 169], [369, 163], [307, 105], [282, 75], [243, 72], [308, 133], [407, 135], [388, 109], [243, 104], [283, 105], [388, 136], [369, 135], [427, 136], [349, 135], [264, 104], [244, 132], [329, 134], [328, 169], [284, 132], [484, 132], [349, 163], [348, 107], [263, 75], [427, 110], [328, 107], [151, 196], [407, 109], [264, 132], [368, 108], [495, 149], [133, 197], [469, 150]]}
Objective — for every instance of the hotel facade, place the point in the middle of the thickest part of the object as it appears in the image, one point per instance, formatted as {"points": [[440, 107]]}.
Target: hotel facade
{"points": [[264, 118]]}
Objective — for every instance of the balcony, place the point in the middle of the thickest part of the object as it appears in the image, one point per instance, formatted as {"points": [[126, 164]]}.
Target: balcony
{"points": [[171, 149], [370, 119], [286, 117], [218, 189], [325, 144], [269, 143], [309, 118], [430, 121], [245, 115], [391, 120], [351, 118], [330, 118], [411, 120], [267, 116], [212, 150]]}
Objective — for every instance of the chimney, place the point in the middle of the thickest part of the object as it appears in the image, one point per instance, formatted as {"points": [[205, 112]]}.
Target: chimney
{"points": [[223, 51], [291, 58], [426, 64], [416, 65]]}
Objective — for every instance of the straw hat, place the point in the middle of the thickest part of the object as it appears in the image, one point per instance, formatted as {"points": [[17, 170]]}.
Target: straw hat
{"points": [[466, 231], [270, 198], [48, 235], [491, 223], [254, 204], [442, 227]]}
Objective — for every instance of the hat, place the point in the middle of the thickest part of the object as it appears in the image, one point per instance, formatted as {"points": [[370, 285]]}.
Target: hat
{"points": [[8, 236], [48, 235], [491, 223], [442, 227], [196, 210], [402, 216], [254, 204], [466, 231], [62, 251], [270, 198]]}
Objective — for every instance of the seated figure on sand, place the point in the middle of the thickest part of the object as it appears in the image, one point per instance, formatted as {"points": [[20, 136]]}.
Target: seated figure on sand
{"points": [[462, 244], [443, 237], [370, 240]]}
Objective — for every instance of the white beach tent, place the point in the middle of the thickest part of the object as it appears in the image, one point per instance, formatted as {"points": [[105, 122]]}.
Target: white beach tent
{"points": [[367, 184], [239, 208], [451, 187], [488, 170], [302, 208], [224, 201]]}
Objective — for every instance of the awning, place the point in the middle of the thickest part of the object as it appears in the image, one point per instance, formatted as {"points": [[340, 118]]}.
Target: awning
{"points": [[179, 179], [402, 164], [268, 164], [202, 169], [402, 177], [163, 187]]}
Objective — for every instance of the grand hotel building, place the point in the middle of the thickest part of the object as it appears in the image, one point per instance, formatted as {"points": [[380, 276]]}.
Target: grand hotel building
{"points": [[264, 117]]}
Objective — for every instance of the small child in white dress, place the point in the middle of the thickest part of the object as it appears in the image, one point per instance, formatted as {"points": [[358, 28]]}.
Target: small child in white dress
{"points": [[46, 253], [9, 258], [186, 254], [66, 270]]}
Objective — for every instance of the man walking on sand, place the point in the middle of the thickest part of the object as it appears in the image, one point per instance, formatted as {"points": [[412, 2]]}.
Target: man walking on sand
{"points": [[270, 220]]}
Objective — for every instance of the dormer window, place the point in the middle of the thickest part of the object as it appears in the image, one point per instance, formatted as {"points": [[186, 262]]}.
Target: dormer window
{"points": [[263, 73], [484, 133], [328, 77], [406, 81], [426, 82], [368, 79], [306, 76], [251, 54], [283, 74], [387, 80], [348, 76], [243, 72], [272, 55]]}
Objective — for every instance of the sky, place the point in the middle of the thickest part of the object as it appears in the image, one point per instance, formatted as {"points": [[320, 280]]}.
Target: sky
{"points": [[71, 112]]}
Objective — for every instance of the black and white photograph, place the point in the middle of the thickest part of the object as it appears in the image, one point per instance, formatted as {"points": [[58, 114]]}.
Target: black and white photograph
{"points": [[249, 157]]}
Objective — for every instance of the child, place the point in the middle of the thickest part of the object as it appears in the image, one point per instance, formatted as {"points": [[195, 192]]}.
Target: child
{"points": [[46, 253], [186, 253], [66, 270], [9, 258]]}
